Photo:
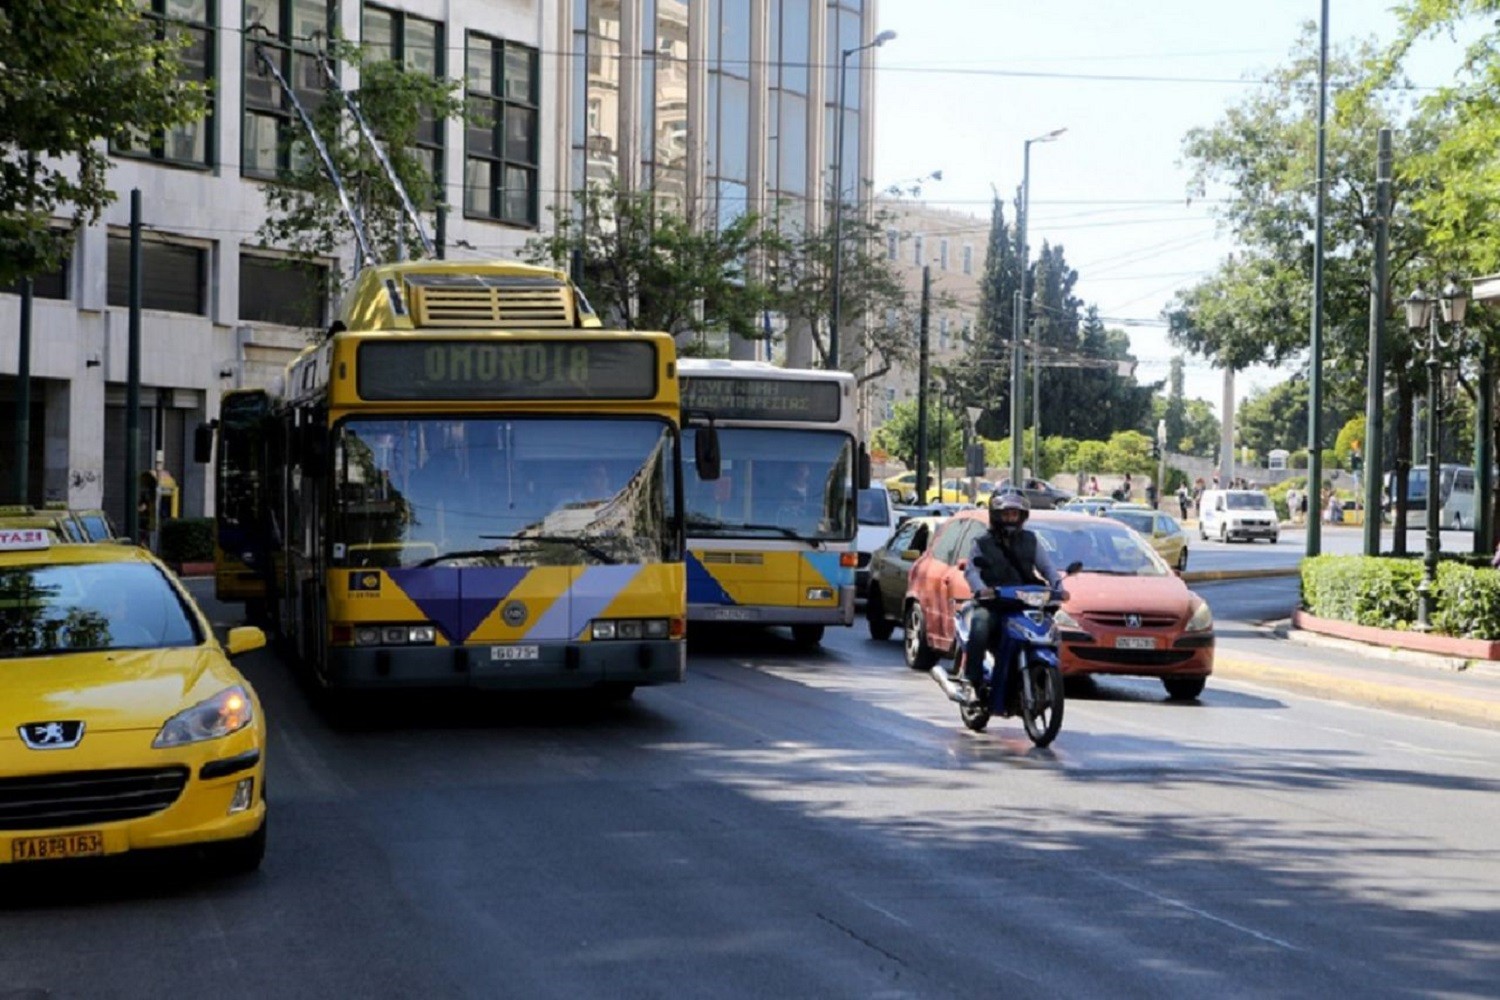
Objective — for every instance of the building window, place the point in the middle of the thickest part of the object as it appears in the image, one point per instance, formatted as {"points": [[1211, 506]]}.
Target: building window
{"points": [[892, 243], [282, 290], [173, 275], [190, 22], [916, 256], [270, 122], [51, 284], [501, 148], [943, 255], [417, 44], [968, 259], [943, 333]]}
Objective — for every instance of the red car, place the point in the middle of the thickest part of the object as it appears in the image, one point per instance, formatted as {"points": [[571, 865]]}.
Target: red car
{"points": [[1127, 612]]}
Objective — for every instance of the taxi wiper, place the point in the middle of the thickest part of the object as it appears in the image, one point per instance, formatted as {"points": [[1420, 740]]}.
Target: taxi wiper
{"points": [[582, 544]]}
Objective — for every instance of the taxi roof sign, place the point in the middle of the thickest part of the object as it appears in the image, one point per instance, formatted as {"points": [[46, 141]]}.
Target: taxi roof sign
{"points": [[24, 539]]}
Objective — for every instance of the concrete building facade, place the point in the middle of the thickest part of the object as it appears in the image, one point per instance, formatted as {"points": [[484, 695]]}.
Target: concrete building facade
{"points": [[723, 106]]}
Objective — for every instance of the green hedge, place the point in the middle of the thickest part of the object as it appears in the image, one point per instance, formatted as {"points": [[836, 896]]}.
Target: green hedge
{"points": [[1382, 592], [187, 539]]}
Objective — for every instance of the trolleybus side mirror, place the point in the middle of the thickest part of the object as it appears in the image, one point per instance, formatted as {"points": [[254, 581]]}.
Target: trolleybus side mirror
{"points": [[314, 449], [706, 453], [203, 442], [864, 468]]}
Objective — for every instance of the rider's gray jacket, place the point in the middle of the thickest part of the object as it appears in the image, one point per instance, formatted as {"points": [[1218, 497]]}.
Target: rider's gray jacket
{"points": [[989, 567]]}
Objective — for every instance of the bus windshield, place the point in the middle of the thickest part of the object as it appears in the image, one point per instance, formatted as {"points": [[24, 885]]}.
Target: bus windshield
{"points": [[775, 483], [504, 492]]}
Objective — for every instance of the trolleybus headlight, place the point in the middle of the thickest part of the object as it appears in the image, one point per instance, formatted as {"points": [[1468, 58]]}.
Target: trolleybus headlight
{"points": [[226, 712], [603, 630], [656, 628], [367, 635], [422, 635], [628, 629], [631, 628]]}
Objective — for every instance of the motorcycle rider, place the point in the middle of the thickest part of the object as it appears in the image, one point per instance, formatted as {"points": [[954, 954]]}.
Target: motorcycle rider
{"points": [[1005, 556]]}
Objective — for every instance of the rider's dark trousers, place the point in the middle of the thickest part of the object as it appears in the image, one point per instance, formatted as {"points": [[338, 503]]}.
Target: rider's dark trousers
{"points": [[982, 625]]}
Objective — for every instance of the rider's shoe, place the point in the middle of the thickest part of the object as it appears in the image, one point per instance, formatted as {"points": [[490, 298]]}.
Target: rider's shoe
{"points": [[979, 696]]}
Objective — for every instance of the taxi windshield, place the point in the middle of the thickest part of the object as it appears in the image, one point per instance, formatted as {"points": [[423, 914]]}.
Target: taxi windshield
{"points": [[72, 608], [1102, 546]]}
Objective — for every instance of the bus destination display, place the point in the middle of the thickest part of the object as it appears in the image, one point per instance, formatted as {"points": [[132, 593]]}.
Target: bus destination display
{"points": [[477, 370], [762, 399]]}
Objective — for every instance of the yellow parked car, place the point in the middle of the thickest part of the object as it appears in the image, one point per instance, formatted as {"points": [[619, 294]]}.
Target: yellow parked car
{"points": [[902, 487], [957, 491], [64, 526], [1161, 530], [123, 725]]}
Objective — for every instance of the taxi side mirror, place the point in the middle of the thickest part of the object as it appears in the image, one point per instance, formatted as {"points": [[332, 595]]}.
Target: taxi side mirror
{"points": [[911, 555], [244, 639], [1074, 567]]}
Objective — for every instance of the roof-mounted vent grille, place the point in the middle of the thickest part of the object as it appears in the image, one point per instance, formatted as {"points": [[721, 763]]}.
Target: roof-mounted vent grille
{"points": [[476, 300]]}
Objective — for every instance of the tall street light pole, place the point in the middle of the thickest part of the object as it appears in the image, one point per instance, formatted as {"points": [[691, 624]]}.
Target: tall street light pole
{"points": [[836, 321], [1018, 326]]}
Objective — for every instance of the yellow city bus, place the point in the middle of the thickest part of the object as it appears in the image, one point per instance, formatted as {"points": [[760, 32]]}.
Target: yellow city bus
{"points": [[470, 484], [771, 541], [240, 500]]}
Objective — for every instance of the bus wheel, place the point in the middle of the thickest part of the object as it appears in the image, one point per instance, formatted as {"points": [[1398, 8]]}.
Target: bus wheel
{"points": [[807, 636]]}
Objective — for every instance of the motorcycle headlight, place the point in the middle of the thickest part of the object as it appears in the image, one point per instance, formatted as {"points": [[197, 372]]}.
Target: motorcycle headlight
{"points": [[1202, 619], [226, 712]]}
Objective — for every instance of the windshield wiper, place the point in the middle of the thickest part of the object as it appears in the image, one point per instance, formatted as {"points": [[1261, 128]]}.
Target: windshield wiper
{"points": [[582, 544], [460, 554]]}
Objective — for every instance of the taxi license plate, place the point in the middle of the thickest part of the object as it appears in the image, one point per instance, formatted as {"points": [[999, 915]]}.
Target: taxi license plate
{"points": [[62, 845], [515, 653], [1135, 642]]}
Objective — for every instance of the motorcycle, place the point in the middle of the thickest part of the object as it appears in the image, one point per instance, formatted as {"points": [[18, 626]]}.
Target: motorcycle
{"points": [[1031, 686]]}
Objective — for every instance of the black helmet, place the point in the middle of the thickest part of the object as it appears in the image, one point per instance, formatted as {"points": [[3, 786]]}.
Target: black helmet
{"points": [[1009, 500]]}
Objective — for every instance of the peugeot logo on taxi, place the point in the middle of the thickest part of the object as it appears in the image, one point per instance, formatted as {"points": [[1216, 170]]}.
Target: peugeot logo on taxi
{"points": [[1132, 621], [51, 735]]}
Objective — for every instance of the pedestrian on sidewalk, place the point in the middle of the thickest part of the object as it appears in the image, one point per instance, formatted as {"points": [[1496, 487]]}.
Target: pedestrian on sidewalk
{"points": [[1182, 500]]}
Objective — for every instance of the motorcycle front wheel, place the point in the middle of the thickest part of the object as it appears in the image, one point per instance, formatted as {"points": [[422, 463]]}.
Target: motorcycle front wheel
{"points": [[1041, 699], [976, 716]]}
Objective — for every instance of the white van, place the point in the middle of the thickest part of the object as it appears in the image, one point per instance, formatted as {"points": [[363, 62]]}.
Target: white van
{"points": [[1230, 514]]}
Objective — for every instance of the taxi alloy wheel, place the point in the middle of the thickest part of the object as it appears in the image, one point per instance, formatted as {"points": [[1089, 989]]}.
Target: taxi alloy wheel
{"points": [[919, 655]]}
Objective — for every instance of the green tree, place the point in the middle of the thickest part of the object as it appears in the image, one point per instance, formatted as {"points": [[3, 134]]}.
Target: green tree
{"points": [[304, 213], [986, 375], [799, 270], [76, 77], [898, 435], [1256, 307], [1201, 435], [1351, 437], [646, 267], [1174, 412]]}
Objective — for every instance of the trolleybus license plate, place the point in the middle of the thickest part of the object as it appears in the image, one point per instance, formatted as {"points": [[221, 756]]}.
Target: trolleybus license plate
{"points": [[515, 653]]}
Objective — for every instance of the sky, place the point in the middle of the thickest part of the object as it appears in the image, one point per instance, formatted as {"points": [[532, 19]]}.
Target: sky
{"points": [[966, 82]]}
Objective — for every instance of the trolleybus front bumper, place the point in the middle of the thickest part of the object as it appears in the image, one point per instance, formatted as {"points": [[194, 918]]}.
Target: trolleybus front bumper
{"points": [[555, 666], [841, 613]]}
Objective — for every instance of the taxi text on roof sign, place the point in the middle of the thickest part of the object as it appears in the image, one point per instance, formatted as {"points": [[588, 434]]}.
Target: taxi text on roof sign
{"points": [[19, 539]]}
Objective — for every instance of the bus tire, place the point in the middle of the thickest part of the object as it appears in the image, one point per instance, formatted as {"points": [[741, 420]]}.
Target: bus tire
{"points": [[807, 636]]}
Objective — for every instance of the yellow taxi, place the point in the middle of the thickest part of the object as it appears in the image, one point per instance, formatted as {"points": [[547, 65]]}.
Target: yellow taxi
{"points": [[123, 725], [957, 491], [58, 520], [902, 487], [1161, 531]]}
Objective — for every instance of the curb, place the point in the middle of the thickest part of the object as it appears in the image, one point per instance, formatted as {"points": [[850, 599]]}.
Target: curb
{"points": [[1211, 575], [1393, 654], [1395, 697]]}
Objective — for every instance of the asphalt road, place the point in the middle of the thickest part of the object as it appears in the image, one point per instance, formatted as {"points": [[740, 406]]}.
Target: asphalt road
{"points": [[1212, 554], [794, 825]]}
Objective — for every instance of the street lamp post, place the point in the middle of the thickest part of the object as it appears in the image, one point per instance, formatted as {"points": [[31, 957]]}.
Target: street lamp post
{"points": [[1421, 312], [838, 196], [1019, 319]]}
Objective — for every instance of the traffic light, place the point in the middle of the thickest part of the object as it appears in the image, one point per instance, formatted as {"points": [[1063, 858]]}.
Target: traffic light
{"points": [[1355, 461], [1155, 450]]}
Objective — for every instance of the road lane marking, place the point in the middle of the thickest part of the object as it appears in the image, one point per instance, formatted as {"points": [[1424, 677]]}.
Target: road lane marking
{"points": [[1195, 911]]}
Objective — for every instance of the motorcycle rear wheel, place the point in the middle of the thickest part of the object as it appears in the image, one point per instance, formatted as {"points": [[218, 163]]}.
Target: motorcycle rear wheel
{"points": [[1041, 699]]}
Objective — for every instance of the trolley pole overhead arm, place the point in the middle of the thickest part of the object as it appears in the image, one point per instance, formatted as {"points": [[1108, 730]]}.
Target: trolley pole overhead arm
{"points": [[366, 257], [352, 103]]}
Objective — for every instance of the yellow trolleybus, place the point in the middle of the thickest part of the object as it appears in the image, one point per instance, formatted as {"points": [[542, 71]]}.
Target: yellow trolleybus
{"points": [[771, 541], [468, 483]]}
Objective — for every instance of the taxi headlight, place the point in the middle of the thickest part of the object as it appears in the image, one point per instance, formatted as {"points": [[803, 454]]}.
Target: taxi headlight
{"points": [[1202, 619], [227, 712]]}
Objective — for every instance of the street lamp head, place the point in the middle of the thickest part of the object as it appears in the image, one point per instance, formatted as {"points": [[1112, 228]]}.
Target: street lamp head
{"points": [[1454, 302], [1049, 136], [1418, 310], [883, 37]]}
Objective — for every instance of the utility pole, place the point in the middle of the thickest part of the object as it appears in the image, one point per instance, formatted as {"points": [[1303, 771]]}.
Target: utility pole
{"points": [[1375, 381], [23, 396], [923, 363], [133, 377], [1315, 358]]}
